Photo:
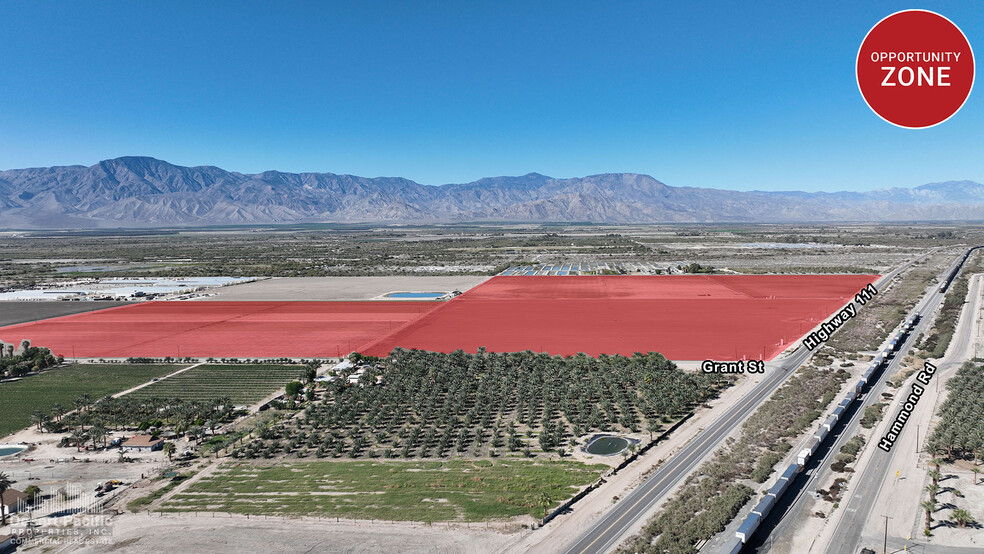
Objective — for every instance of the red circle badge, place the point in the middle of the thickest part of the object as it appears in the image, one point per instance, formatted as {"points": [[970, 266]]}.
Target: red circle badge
{"points": [[915, 69]]}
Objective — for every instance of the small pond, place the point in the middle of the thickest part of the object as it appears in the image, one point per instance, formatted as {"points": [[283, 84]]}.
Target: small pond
{"points": [[10, 449], [415, 295], [606, 445]]}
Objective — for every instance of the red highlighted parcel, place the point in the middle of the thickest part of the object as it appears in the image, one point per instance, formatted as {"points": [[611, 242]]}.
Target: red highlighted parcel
{"points": [[691, 317]]}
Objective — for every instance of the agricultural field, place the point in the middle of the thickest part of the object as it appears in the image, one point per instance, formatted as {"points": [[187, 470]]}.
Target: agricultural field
{"points": [[244, 384], [684, 317], [13, 312], [220, 329], [956, 442], [435, 405], [318, 250], [456, 490], [65, 384]]}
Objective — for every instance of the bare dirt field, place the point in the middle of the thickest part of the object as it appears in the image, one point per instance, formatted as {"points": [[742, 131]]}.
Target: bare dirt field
{"points": [[342, 288], [236, 534], [13, 312]]}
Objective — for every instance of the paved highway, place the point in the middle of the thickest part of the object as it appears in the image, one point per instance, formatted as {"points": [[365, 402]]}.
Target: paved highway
{"points": [[866, 486], [780, 525], [607, 532]]}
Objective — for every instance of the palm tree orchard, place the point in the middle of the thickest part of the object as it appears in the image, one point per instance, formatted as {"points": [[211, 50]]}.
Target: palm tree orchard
{"points": [[431, 404], [957, 435], [960, 431], [93, 420]]}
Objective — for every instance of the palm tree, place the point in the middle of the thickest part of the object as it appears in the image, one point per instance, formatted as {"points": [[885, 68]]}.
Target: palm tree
{"points": [[37, 418], [168, 450], [79, 404], [57, 411], [78, 436], [544, 501], [5, 484], [935, 475], [652, 425], [226, 405], [82, 419], [96, 433], [932, 489], [50, 425], [196, 431], [934, 450], [930, 507], [976, 471], [961, 517]]}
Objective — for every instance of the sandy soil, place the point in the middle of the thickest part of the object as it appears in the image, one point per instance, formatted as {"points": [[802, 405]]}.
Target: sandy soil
{"points": [[52, 468], [236, 534], [341, 288]]}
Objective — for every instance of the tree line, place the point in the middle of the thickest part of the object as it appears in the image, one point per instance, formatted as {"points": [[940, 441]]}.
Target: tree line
{"points": [[88, 421]]}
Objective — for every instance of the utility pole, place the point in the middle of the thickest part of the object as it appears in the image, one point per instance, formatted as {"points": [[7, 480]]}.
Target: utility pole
{"points": [[885, 544]]}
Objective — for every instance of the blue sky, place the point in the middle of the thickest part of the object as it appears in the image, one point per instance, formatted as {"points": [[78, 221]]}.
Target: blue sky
{"points": [[753, 95]]}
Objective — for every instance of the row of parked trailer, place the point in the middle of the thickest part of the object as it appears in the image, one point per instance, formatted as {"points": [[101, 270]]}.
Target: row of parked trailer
{"points": [[761, 511]]}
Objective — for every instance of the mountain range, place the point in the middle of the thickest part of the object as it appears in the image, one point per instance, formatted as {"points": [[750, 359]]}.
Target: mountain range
{"points": [[137, 191]]}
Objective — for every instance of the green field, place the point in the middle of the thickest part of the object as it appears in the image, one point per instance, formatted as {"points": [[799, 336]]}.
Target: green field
{"points": [[244, 384], [458, 490], [18, 399]]}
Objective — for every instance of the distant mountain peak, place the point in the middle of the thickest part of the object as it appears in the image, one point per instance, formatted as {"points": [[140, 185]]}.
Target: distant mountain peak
{"points": [[143, 191]]}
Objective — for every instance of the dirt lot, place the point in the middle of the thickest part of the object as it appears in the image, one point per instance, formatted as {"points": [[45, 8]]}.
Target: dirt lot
{"points": [[14, 312], [341, 288], [234, 534]]}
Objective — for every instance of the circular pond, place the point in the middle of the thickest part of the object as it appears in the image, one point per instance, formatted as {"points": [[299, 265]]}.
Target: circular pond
{"points": [[606, 445], [11, 449]]}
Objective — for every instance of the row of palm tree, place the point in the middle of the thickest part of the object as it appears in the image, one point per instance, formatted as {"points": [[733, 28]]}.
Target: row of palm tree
{"points": [[960, 516], [91, 420], [431, 403], [958, 434]]}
